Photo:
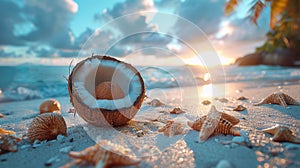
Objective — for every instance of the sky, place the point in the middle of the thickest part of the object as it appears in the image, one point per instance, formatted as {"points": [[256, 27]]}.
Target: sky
{"points": [[142, 32]]}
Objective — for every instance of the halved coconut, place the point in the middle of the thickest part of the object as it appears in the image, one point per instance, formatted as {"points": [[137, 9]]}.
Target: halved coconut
{"points": [[106, 91]]}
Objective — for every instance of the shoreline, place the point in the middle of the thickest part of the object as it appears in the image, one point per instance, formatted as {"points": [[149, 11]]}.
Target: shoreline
{"points": [[263, 151]]}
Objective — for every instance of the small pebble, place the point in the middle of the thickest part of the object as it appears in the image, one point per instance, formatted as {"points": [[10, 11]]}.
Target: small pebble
{"points": [[25, 146], [36, 143], [238, 139], [1, 115], [66, 149], [50, 161], [224, 164], [60, 137], [233, 145]]}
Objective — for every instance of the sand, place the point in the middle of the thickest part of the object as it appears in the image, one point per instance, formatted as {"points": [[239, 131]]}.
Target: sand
{"points": [[157, 149]]}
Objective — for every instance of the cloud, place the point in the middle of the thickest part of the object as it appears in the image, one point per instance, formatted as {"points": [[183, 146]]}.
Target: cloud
{"points": [[50, 20], [6, 54], [10, 17], [205, 14]]}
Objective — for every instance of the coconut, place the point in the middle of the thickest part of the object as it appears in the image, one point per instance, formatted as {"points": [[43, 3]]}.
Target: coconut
{"points": [[105, 91]]}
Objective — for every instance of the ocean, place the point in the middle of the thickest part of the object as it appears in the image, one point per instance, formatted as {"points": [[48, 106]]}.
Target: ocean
{"points": [[29, 81]]}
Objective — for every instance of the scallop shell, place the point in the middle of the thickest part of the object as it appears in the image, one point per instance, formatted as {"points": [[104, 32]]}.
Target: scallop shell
{"points": [[49, 106], [108, 90], [46, 127], [105, 154], [8, 143]]}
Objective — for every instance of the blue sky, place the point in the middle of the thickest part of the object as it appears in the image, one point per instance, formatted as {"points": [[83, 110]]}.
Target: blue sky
{"points": [[53, 32]]}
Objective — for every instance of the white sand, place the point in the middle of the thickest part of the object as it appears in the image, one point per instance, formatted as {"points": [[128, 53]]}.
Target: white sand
{"points": [[157, 149]]}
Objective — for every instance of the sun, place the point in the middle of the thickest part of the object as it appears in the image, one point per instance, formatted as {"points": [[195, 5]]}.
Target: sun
{"points": [[222, 60]]}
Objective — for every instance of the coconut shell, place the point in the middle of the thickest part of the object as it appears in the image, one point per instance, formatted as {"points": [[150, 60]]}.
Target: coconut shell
{"points": [[46, 127], [108, 90], [49, 106], [101, 116]]}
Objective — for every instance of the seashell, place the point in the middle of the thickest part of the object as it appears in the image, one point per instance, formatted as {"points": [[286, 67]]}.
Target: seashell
{"points": [[125, 85], [156, 102], [242, 98], [210, 124], [177, 110], [279, 98], [104, 154], [49, 106], [206, 102], [223, 100], [1, 115], [282, 134], [196, 125], [8, 143], [226, 127], [46, 127], [215, 122], [6, 132], [239, 108], [108, 90], [172, 128]]}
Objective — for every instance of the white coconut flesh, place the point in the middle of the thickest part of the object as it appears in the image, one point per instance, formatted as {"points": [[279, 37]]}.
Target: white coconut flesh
{"points": [[96, 71]]}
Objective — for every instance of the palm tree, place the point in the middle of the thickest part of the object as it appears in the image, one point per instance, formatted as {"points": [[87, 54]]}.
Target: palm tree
{"points": [[284, 23]]}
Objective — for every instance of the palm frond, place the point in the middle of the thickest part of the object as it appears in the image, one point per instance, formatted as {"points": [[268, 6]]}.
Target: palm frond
{"points": [[277, 9], [230, 6], [257, 9]]}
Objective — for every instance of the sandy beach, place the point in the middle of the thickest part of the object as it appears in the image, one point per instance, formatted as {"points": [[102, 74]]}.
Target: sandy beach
{"points": [[254, 149]]}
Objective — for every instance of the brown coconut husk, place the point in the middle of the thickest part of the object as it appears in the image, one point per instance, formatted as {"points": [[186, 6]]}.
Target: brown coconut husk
{"points": [[101, 116]]}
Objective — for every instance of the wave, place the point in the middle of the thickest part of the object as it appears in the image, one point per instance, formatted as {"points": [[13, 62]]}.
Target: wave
{"points": [[38, 82]]}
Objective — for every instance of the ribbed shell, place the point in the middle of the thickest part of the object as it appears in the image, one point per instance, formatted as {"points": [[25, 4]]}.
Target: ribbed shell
{"points": [[46, 127]]}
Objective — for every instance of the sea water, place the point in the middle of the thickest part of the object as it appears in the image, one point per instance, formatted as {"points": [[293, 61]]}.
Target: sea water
{"points": [[28, 81]]}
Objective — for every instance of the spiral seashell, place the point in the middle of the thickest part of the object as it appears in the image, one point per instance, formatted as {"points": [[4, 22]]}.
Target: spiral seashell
{"points": [[49, 106], [46, 127]]}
